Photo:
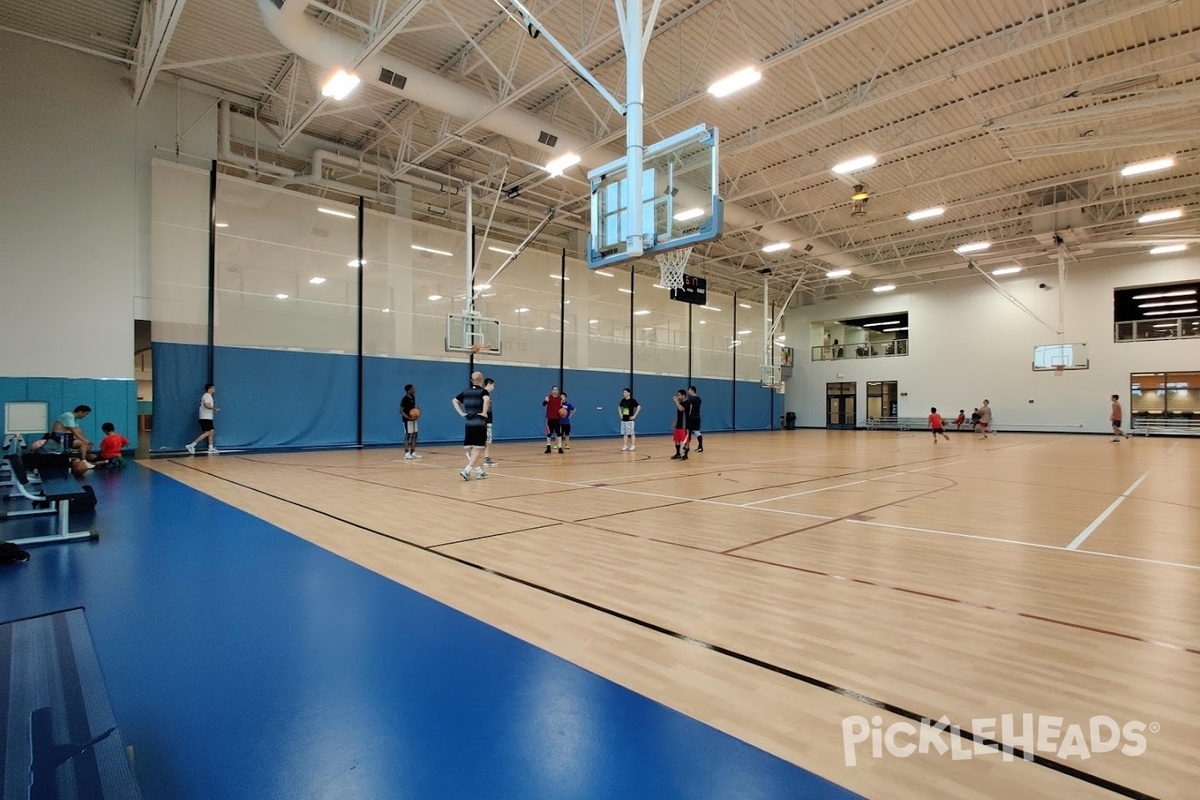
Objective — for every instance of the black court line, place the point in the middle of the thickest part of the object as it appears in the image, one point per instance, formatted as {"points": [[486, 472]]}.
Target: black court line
{"points": [[920, 719]]}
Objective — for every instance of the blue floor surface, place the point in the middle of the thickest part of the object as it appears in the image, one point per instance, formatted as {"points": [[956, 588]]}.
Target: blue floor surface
{"points": [[243, 662]]}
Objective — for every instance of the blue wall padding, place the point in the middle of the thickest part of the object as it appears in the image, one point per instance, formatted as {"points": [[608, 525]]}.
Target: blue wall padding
{"points": [[112, 401], [283, 399]]}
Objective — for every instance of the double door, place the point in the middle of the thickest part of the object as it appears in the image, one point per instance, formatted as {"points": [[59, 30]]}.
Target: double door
{"points": [[841, 405]]}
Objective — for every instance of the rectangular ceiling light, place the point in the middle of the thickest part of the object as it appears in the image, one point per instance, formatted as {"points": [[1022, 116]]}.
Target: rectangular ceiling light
{"points": [[623, 289], [1167, 303], [641, 313], [558, 277], [1167, 248], [712, 308], [837, 273], [431, 250], [559, 165], [1006, 271], [887, 287], [1175, 312], [501, 250], [221, 224], [317, 281], [854, 164], [1148, 166], [926, 214], [604, 274], [973, 247], [741, 305], [732, 83], [776, 247], [1161, 216], [881, 324], [691, 213], [483, 287], [336, 213], [1156, 295], [354, 263], [340, 84], [893, 330]]}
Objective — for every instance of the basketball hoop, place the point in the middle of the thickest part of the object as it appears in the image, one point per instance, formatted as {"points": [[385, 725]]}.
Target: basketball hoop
{"points": [[1059, 369], [670, 266]]}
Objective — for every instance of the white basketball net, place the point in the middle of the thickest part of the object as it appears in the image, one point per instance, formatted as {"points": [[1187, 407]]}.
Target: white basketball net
{"points": [[671, 266]]}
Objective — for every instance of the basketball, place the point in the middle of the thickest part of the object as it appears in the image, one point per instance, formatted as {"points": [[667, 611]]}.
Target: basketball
{"points": [[414, 414], [79, 468], [562, 413]]}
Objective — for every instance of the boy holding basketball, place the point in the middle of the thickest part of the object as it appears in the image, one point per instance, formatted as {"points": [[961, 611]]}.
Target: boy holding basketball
{"points": [[565, 412], [409, 413], [935, 425], [553, 404]]}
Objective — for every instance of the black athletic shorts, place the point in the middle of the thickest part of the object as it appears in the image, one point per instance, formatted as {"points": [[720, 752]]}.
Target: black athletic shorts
{"points": [[206, 425], [553, 427], [475, 436]]}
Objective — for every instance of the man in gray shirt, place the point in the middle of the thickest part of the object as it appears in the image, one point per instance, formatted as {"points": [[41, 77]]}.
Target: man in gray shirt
{"points": [[474, 405]]}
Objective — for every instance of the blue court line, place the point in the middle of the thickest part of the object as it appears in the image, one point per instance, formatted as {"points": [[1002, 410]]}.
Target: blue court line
{"points": [[244, 662]]}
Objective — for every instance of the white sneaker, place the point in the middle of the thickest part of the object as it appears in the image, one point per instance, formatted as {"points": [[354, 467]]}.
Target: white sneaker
{"points": [[415, 454], [191, 448], [624, 447], [480, 474], [408, 456], [466, 473], [89, 465], [632, 448], [212, 451]]}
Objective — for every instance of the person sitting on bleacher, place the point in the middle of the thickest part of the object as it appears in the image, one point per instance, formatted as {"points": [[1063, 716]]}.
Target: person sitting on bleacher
{"points": [[67, 433]]}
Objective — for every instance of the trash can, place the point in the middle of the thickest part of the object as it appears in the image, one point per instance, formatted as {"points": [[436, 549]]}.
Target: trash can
{"points": [[789, 420]]}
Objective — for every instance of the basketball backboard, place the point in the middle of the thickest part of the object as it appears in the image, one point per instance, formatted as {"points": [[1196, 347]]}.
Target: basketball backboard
{"points": [[679, 203], [464, 330]]}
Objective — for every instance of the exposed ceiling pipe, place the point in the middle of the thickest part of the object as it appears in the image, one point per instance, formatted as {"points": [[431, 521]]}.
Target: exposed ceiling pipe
{"points": [[311, 41], [224, 153]]}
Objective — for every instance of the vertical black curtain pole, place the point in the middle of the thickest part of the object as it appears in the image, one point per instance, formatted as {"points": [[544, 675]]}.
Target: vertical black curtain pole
{"points": [[562, 320], [362, 267], [733, 376], [212, 266], [631, 290], [689, 381]]}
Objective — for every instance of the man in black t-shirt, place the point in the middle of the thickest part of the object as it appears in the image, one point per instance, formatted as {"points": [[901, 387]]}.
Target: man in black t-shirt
{"points": [[693, 419], [473, 405], [680, 436], [408, 404], [628, 410]]}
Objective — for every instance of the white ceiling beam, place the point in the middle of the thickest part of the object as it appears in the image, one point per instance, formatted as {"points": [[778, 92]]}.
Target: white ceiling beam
{"points": [[372, 47], [157, 28]]}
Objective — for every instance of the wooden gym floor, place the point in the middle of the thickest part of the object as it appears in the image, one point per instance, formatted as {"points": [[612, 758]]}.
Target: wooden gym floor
{"points": [[780, 583]]}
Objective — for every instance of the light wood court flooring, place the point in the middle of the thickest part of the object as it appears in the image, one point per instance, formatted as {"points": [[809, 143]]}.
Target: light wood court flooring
{"points": [[779, 583]]}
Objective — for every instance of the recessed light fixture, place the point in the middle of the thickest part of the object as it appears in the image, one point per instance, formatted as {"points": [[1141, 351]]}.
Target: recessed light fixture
{"points": [[776, 247], [387, 311], [854, 164], [558, 277], [593, 322], [1006, 271], [691, 213], [973, 247], [433, 298], [1174, 312], [881, 324], [703, 322], [887, 287], [744, 333], [744, 305], [926, 214], [1157, 295], [710, 308], [431, 250], [501, 250], [559, 165], [837, 273], [893, 330], [354, 263], [641, 312], [659, 286], [340, 84], [281, 296], [522, 310], [1167, 248], [539, 328], [604, 274], [1148, 166], [1161, 216], [623, 289], [221, 224], [316, 281], [334, 212], [732, 83]]}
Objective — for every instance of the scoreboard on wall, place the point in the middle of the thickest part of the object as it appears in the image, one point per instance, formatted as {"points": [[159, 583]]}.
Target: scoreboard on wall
{"points": [[694, 291]]}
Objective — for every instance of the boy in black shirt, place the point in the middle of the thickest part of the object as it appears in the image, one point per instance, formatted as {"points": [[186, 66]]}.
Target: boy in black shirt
{"points": [[628, 410], [693, 419], [408, 404]]}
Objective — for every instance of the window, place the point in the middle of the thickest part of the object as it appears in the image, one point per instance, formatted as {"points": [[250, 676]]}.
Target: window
{"points": [[1166, 311]]}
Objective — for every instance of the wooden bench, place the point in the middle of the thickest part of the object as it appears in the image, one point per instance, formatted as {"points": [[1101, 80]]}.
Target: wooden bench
{"points": [[58, 488], [60, 738]]}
